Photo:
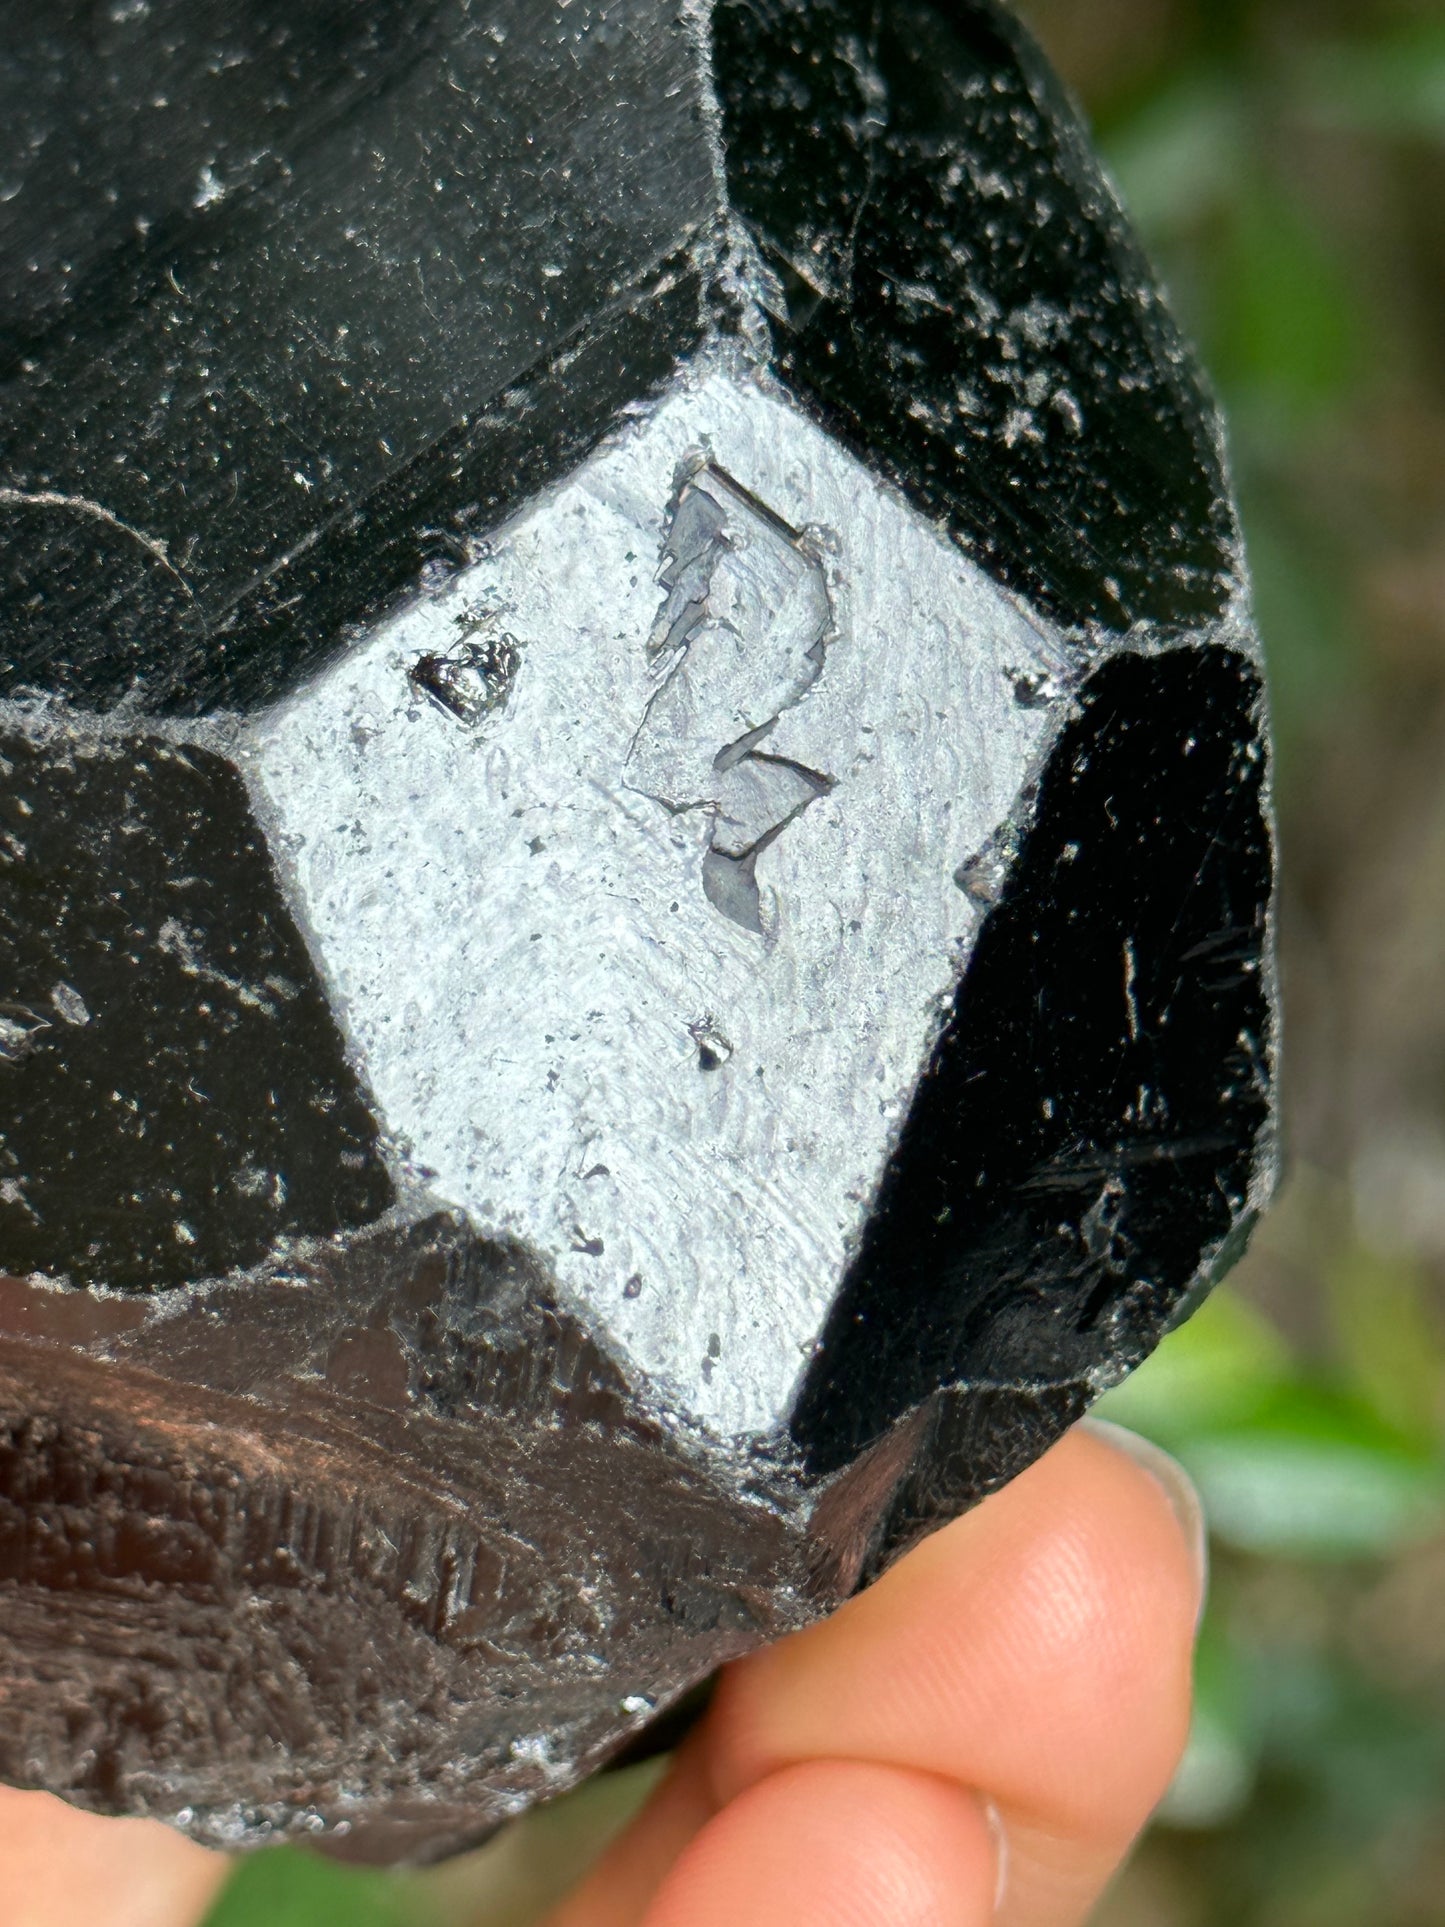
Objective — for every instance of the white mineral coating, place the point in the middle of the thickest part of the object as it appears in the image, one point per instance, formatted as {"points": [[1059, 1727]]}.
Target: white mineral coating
{"points": [[563, 1033]]}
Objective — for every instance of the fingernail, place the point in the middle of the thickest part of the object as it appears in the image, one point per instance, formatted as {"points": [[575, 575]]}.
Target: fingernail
{"points": [[1175, 1482], [998, 1834]]}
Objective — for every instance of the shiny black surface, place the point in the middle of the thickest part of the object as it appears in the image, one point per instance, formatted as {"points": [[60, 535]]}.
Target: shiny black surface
{"points": [[960, 298], [371, 1534], [276, 280], [1086, 1134], [178, 1101]]}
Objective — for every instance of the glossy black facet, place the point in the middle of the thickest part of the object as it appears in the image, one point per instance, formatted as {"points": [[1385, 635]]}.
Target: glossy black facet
{"points": [[1087, 1133], [961, 299], [266, 337], [121, 123], [176, 1101], [427, 514]]}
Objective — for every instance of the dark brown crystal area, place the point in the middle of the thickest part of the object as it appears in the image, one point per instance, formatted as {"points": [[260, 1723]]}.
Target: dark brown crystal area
{"points": [[321, 1553], [378, 1550]]}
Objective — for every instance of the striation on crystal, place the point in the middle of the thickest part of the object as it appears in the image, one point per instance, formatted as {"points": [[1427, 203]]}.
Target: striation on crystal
{"points": [[635, 866]]}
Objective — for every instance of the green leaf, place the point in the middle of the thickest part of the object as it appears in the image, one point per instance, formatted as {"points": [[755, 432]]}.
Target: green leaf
{"points": [[1314, 654], [1179, 155], [1212, 1372], [1315, 1476], [1288, 328], [288, 1887], [1216, 1777]]}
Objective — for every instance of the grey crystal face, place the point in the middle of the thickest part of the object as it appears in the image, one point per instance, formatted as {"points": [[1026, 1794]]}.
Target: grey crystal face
{"points": [[774, 660]]}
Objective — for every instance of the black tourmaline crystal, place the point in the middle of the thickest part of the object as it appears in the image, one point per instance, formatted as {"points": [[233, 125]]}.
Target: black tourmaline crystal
{"points": [[635, 870]]}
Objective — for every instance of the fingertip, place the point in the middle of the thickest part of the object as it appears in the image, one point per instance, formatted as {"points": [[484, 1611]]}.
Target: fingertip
{"points": [[65, 1868], [837, 1843], [1178, 1488], [1014, 1694], [1038, 1649], [618, 1887]]}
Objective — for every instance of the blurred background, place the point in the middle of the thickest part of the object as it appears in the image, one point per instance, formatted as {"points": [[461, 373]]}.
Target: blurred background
{"points": [[1285, 160]]}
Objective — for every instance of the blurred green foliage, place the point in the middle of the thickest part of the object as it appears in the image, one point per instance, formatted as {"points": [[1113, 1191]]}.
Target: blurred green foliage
{"points": [[1392, 84], [1306, 1761], [289, 1887], [1290, 1464], [1287, 165], [1286, 162]]}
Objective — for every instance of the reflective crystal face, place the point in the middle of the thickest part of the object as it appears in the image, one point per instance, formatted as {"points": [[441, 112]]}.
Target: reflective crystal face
{"points": [[635, 930]]}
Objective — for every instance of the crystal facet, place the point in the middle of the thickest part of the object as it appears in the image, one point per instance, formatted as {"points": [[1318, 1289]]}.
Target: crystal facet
{"points": [[635, 874]]}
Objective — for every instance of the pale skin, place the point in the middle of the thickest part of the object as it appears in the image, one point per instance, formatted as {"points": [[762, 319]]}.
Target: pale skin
{"points": [[978, 1739]]}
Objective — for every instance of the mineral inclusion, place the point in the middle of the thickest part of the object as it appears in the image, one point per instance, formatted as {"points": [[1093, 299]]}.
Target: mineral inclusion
{"points": [[635, 879]]}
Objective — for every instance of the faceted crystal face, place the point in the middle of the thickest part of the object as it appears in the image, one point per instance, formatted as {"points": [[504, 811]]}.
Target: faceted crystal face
{"points": [[636, 930], [544, 1055]]}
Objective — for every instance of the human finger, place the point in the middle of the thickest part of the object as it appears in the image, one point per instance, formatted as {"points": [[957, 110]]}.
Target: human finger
{"points": [[1037, 1651], [63, 1868], [616, 1891], [836, 1843]]}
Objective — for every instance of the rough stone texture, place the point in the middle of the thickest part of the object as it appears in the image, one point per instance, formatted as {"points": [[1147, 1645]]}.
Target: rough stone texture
{"points": [[635, 872]]}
